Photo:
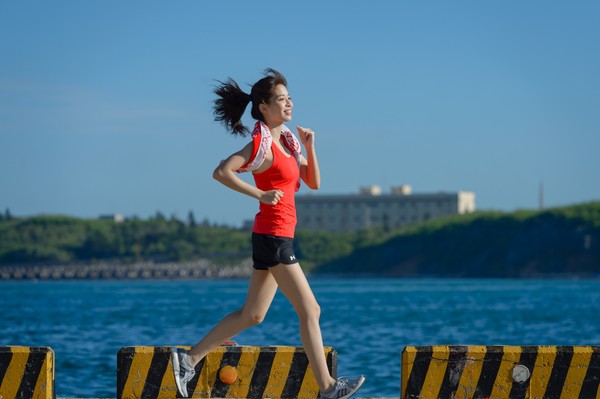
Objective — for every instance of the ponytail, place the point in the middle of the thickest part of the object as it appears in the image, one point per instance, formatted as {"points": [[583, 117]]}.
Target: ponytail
{"points": [[230, 106], [232, 101]]}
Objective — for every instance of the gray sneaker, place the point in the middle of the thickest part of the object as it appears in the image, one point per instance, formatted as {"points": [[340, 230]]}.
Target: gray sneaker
{"points": [[344, 388], [183, 369]]}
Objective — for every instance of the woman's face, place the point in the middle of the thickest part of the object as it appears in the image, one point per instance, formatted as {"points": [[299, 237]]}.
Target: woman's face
{"points": [[279, 108]]}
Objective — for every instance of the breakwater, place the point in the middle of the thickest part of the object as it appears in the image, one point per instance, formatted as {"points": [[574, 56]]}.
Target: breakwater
{"points": [[199, 269]]}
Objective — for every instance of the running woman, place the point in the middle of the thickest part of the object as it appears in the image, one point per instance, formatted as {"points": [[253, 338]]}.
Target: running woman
{"points": [[275, 159]]}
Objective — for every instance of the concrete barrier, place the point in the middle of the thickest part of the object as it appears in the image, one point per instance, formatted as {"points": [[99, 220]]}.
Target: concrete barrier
{"points": [[490, 372], [255, 372], [26, 372]]}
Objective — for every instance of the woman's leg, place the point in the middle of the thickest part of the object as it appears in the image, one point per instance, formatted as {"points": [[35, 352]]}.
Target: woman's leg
{"points": [[261, 291], [295, 287]]}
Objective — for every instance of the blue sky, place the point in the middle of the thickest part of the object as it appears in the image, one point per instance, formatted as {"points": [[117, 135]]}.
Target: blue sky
{"points": [[106, 106]]}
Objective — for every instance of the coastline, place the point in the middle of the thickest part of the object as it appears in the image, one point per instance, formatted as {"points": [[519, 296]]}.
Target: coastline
{"points": [[198, 269], [205, 269]]}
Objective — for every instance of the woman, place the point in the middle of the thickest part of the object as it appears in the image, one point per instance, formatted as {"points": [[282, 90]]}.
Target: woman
{"points": [[275, 158]]}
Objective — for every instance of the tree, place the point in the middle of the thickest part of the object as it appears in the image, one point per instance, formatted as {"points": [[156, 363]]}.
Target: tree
{"points": [[191, 219]]}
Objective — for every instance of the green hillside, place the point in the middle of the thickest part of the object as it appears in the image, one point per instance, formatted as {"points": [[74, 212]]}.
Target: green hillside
{"points": [[68, 239], [483, 244], [486, 244]]}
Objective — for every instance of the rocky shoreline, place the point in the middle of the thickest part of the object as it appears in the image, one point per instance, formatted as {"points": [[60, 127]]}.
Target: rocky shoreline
{"points": [[199, 269]]}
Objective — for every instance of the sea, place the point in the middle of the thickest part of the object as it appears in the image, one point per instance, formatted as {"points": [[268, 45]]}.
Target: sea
{"points": [[367, 321]]}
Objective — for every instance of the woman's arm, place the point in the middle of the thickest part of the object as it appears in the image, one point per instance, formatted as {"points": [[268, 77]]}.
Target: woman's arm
{"points": [[226, 174], [309, 166]]}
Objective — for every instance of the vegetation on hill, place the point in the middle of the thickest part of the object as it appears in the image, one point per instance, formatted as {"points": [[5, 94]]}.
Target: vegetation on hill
{"points": [[67, 239], [484, 244]]}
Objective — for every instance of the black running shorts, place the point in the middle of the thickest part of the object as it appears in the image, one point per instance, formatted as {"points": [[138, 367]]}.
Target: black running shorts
{"points": [[269, 251]]}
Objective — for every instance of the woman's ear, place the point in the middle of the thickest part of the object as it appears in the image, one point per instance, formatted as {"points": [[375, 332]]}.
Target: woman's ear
{"points": [[262, 107]]}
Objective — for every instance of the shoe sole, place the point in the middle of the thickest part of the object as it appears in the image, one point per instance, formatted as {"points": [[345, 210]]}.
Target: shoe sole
{"points": [[177, 371]]}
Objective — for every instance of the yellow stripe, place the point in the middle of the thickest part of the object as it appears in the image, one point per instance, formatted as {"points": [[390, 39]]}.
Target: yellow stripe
{"points": [[15, 371], [408, 361], [168, 386], [202, 390], [309, 387], [577, 370], [138, 372], [540, 374], [245, 368], [279, 372], [503, 381], [471, 372], [436, 371], [44, 383], [210, 371], [308, 384]]}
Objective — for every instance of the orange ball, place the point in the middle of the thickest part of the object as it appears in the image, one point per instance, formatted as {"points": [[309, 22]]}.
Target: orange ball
{"points": [[228, 375]]}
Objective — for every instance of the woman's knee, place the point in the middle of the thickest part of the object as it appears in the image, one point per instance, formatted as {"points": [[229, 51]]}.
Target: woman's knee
{"points": [[310, 311], [252, 318]]}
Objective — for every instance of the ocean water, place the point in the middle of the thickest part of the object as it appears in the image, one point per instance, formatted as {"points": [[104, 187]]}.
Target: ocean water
{"points": [[368, 321]]}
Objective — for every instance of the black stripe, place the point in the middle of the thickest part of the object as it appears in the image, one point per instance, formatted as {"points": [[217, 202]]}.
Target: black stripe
{"points": [[527, 359], [31, 374], [298, 368], [231, 357], [491, 364], [456, 364], [589, 388], [158, 367], [559, 372], [262, 370], [5, 358], [191, 385], [419, 372], [124, 360]]}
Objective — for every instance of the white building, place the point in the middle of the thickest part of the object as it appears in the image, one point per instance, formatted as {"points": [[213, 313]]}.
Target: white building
{"points": [[115, 217], [371, 208]]}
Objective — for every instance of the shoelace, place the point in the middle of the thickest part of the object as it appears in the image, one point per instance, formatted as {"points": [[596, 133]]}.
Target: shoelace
{"points": [[186, 372], [187, 376], [342, 387]]}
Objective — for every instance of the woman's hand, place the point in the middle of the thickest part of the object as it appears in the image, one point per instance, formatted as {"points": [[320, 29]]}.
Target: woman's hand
{"points": [[271, 197], [307, 136], [309, 167]]}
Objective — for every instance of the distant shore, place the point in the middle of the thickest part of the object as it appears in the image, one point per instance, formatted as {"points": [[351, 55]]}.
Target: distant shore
{"points": [[199, 269]]}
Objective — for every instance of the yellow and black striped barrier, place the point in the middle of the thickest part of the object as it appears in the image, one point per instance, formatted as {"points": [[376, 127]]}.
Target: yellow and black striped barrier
{"points": [[26, 372], [227, 372], [490, 372]]}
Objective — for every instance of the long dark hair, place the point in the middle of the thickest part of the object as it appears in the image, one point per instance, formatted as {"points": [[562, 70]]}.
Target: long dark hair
{"points": [[232, 101]]}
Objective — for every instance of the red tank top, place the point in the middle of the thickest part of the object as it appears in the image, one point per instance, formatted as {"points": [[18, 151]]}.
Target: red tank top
{"points": [[283, 174]]}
